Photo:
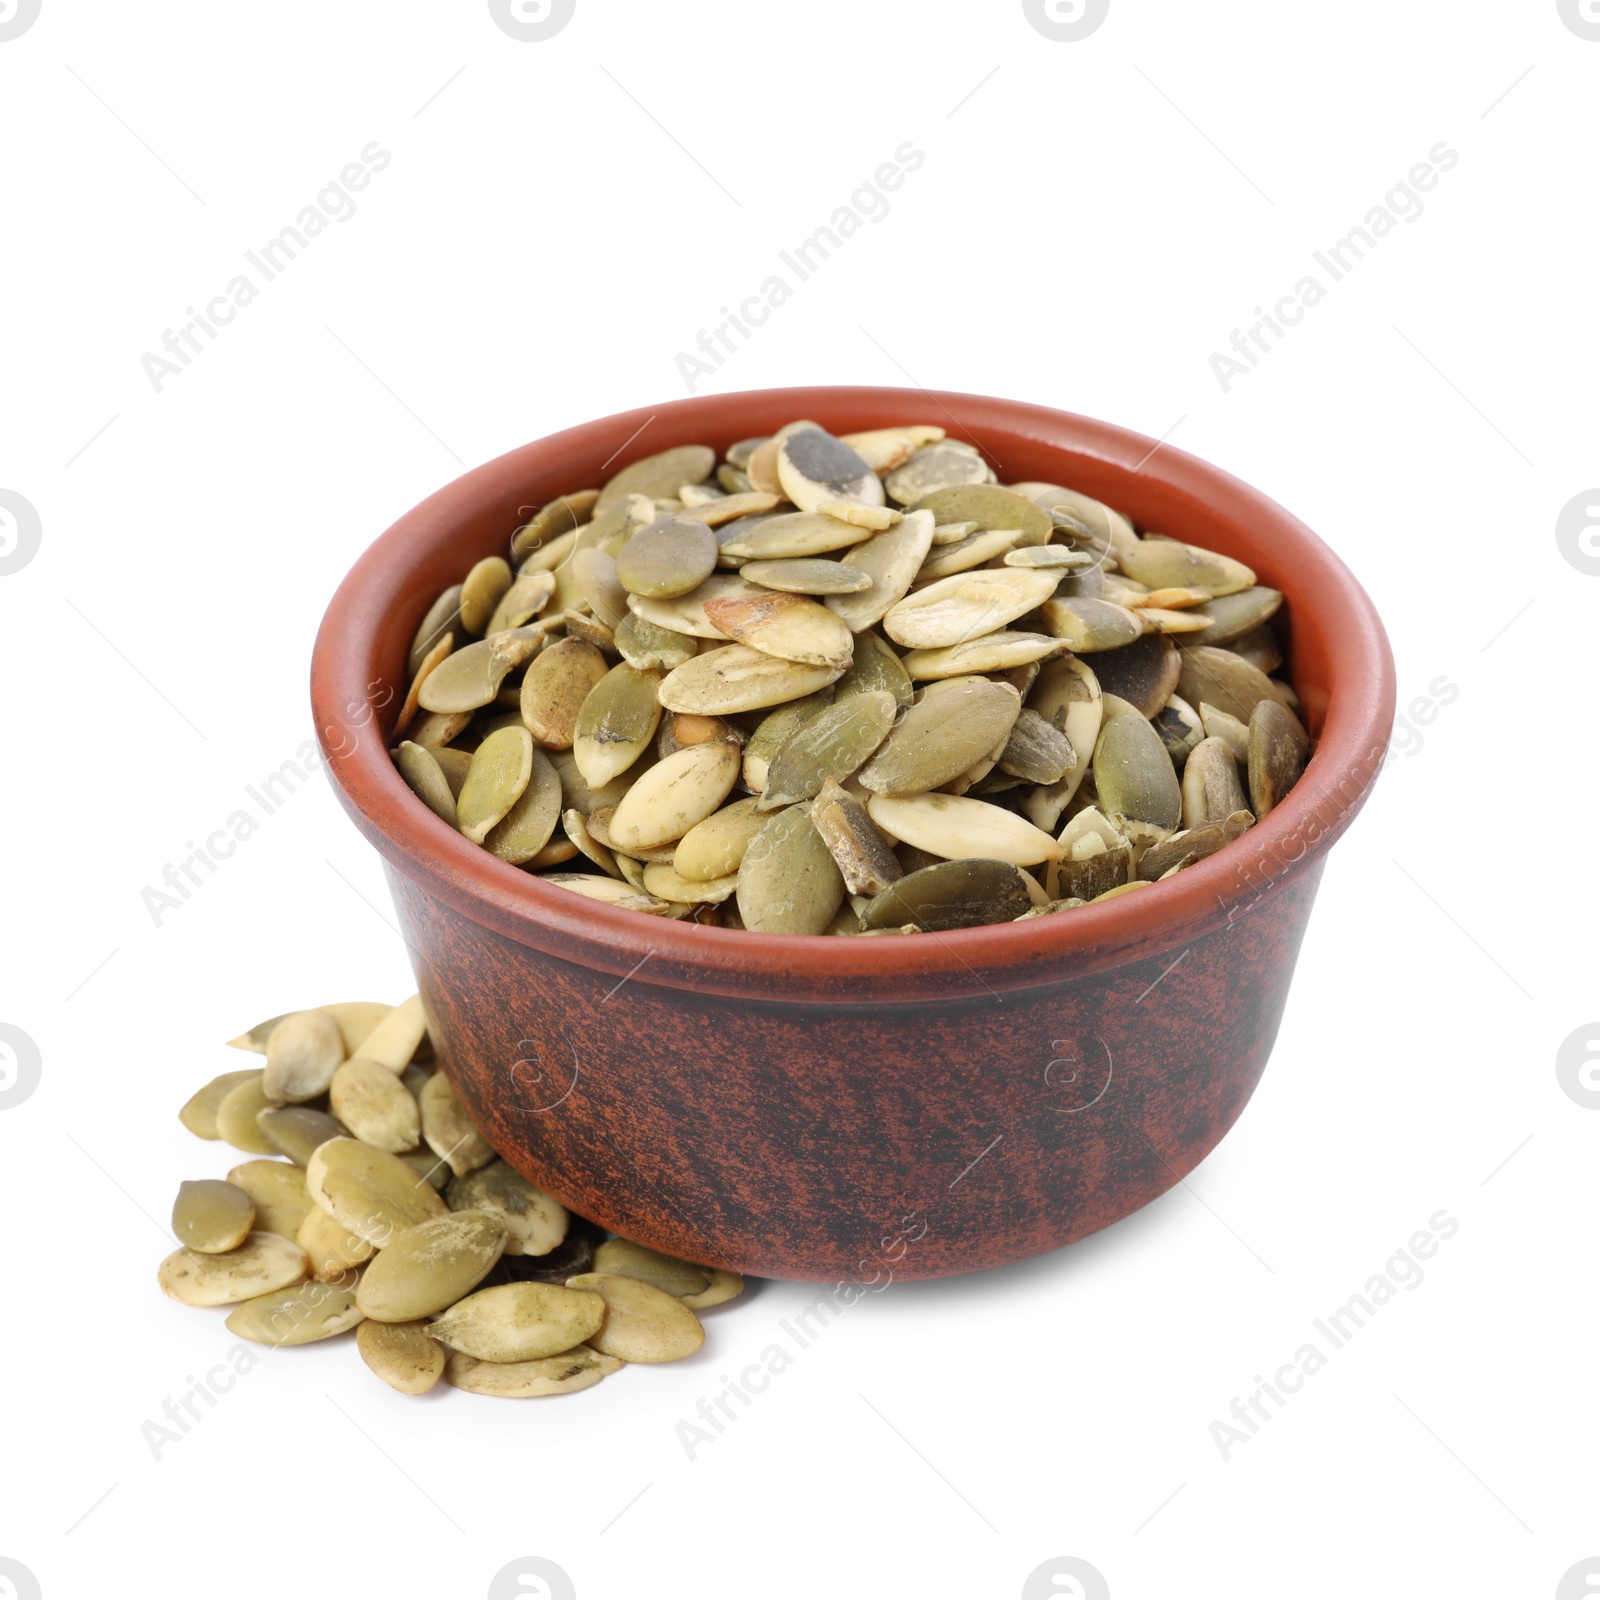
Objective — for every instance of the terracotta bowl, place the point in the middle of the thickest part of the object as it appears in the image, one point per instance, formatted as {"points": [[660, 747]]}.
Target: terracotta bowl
{"points": [[856, 1109]]}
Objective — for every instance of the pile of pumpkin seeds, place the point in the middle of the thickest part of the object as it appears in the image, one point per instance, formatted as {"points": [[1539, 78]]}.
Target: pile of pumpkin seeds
{"points": [[369, 1201], [847, 685]]}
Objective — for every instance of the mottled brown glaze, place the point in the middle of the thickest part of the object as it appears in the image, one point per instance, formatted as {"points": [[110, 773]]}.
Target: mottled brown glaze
{"points": [[835, 1109]]}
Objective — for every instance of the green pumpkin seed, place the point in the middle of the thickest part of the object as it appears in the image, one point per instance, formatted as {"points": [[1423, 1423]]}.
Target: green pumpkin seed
{"points": [[788, 881], [713, 848], [937, 467], [438, 728], [941, 737], [876, 666], [1134, 778], [668, 1273], [1052, 558], [501, 768], [522, 602], [954, 827], [1279, 750], [302, 1054], [199, 1112], [831, 745], [785, 625], [967, 893], [1234, 733], [448, 1130], [299, 1315], [892, 560], [521, 1321], [332, 1250], [535, 1222], [793, 536], [966, 606], [372, 1193], [428, 1268], [806, 576], [425, 778], [1190, 845], [566, 1373], [1167, 564], [402, 1354], [717, 511], [481, 592], [295, 1131], [616, 722], [962, 556], [263, 1263], [737, 678], [1144, 673], [864, 858], [1211, 788], [560, 519], [594, 573], [884, 449], [554, 688], [1260, 648], [278, 1191], [993, 509], [212, 1216], [724, 1286], [440, 618], [642, 1323], [994, 652], [375, 1106], [1036, 750], [424, 1163], [592, 886], [527, 827], [645, 644], [659, 476], [674, 795], [814, 468], [398, 1035], [466, 680], [1222, 679], [668, 558], [1090, 626], [775, 730], [236, 1117], [1071, 512], [1092, 867]]}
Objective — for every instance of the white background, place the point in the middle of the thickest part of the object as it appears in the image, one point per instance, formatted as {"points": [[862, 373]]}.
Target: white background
{"points": [[558, 219]]}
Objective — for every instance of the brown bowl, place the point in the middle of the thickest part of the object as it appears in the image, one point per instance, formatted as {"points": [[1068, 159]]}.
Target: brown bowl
{"points": [[855, 1109]]}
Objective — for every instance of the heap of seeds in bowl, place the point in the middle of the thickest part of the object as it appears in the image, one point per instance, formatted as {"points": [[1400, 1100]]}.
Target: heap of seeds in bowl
{"points": [[369, 1201], [847, 686]]}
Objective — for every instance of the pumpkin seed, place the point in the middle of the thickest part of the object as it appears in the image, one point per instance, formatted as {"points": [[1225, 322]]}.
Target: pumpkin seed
{"points": [[775, 730], [594, 573], [793, 536], [589, 628], [501, 768], [646, 644], [724, 1286], [993, 509], [737, 678], [448, 1130], [738, 453], [1089, 626], [1179, 727], [616, 723], [299, 1315], [1211, 787], [295, 1131], [413, 698], [934, 468], [788, 881], [402, 1354], [668, 558], [397, 1036], [956, 828], [1222, 679], [659, 475], [831, 745], [1144, 673], [438, 728], [864, 858], [1191, 845], [941, 737], [966, 606], [522, 602], [1101, 525], [965, 554], [669, 1274], [199, 1111], [1260, 648], [566, 1373], [1279, 750], [466, 680], [561, 518], [481, 592], [1036, 750], [784, 625], [236, 1117], [535, 1222], [439, 619], [674, 795], [892, 560], [424, 1162], [1167, 564], [807, 576], [521, 1321], [212, 1216], [592, 886], [425, 778], [372, 1193], [1052, 558], [428, 1268], [278, 1192], [663, 880], [815, 468], [875, 666], [302, 1054], [994, 652], [332, 1250], [1234, 733], [264, 1262], [526, 828], [577, 830], [642, 1323], [1158, 620], [375, 1105], [1134, 778], [718, 510], [966, 893], [687, 613], [884, 449], [714, 847]]}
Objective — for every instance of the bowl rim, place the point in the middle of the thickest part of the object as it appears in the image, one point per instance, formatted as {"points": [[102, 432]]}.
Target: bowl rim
{"points": [[417, 846]]}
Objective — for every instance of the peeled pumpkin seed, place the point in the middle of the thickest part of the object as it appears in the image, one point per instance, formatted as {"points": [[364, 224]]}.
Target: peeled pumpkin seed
{"points": [[556, 684], [372, 1193], [792, 536], [659, 476], [831, 745], [892, 560], [211, 1216], [428, 1268], [864, 858], [448, 1131], [884, 449], [1036, 750], [642, 1323], [938, 466], [775, 730], [1179, 727], [616, 722], [1144, 673], [375, 1105], [994, 652], [199, 1111], [263, 1263], [302, 1314], [1233, 733], [669, 557], [667, 1273], [295, 1131], [992, 508], [1134, 778], [786, 625], [481, 592], [716, 510], [469, 678], [645, 644], [663, 880], [1260, 648], [955, 828], [737, 678], [1211, 787], [567, 1373], [940, 738], [966, 606], [425, 778], [402, 1354], [1191, 845], [278, 1191], [967, 893], [1088, 626], [1051, 557], [1222, 679], [802, 576], [525, 830], [593, 886], [674, 795], [435, 624], [876, 666], [714, 848], [788, 881], [236, 1117], [965, 554], [724, 1286], [535, 1222], [396, 1036], [332, 1250], [500, 770], [814, 468], [438, 728], [302, 1054], [557, 520], [1167, 564], [521, 1321], [1279, 750], [522, 602]]}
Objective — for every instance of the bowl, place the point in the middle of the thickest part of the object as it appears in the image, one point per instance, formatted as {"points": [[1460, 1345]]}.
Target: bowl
{"points": [[839, 1109]]}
